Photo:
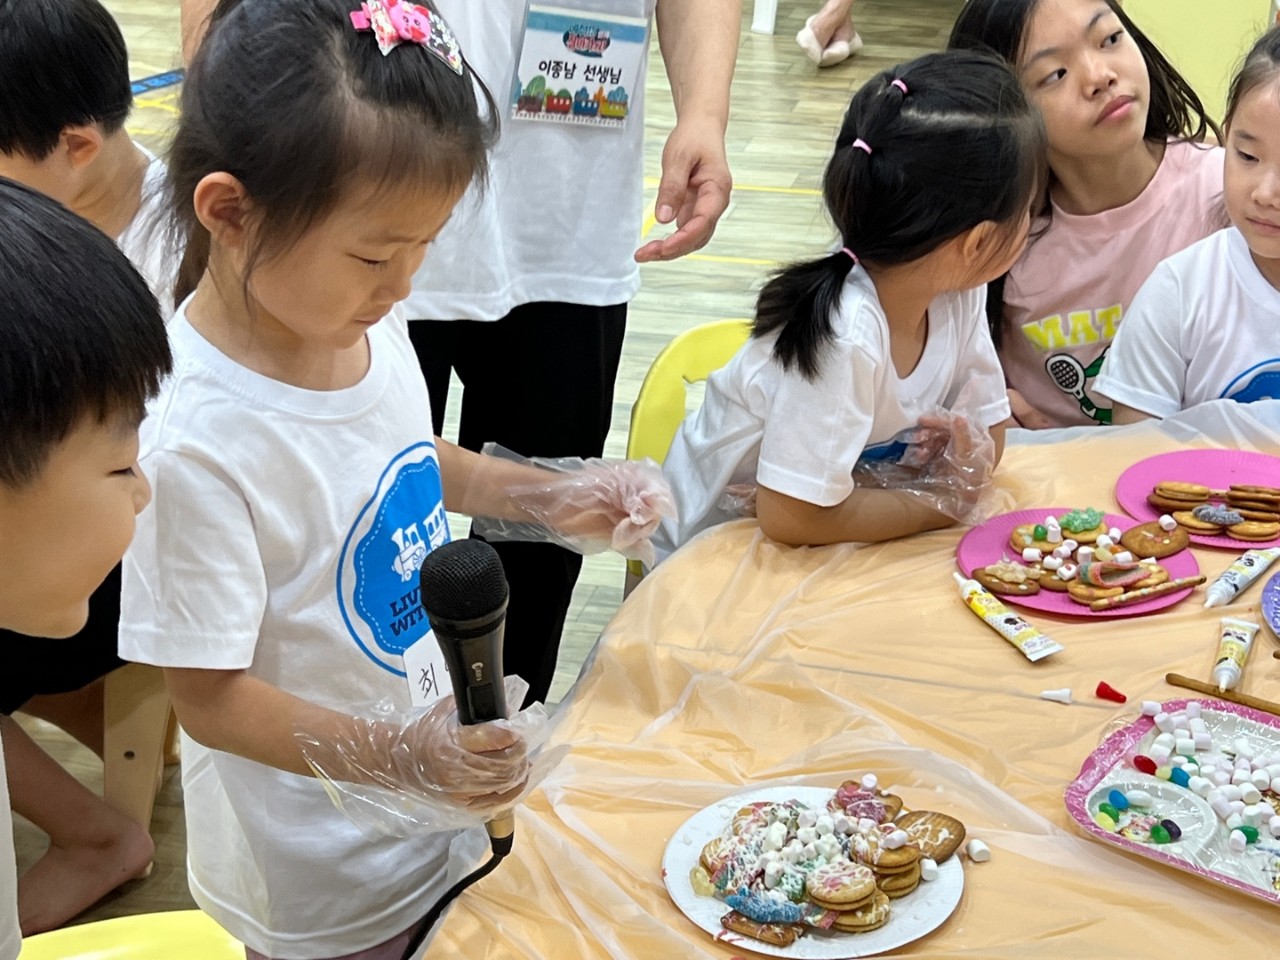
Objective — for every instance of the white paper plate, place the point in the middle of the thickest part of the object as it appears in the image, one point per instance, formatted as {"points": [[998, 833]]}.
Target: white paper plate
{"points": [[911, 917]]}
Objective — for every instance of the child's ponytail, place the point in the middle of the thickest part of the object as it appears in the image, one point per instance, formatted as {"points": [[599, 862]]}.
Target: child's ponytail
{"points": [[926, 152]]}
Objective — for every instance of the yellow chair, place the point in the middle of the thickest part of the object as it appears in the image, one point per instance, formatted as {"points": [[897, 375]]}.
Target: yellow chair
{"points": [[660, 405], [178, 935]]}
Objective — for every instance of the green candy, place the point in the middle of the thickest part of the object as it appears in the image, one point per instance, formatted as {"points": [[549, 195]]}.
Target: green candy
{"points": [[1159, 834], [1078, 521], [1110, 811], [1250, 833], [1039, 533]]}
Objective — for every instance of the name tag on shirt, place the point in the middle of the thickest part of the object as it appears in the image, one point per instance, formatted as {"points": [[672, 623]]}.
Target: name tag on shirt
{"points": [[578, 66], [427, 672]]}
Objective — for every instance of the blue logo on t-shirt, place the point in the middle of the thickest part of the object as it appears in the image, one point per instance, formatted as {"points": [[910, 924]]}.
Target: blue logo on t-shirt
{"points": [[403, 521], [1259, 382], [890, 451]]}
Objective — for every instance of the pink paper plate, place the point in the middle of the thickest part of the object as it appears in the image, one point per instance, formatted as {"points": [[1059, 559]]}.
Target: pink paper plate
{"points": [[1213, 468], [990, 542]]}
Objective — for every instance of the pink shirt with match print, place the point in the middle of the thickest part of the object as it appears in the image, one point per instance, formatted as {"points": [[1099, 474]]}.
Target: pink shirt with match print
{"points": [[1064, 299]]}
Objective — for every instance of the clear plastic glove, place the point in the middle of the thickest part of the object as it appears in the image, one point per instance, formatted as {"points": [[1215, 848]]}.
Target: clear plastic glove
{"points": [[408, 772], [588, 506], [738, 500], [947, 464]]}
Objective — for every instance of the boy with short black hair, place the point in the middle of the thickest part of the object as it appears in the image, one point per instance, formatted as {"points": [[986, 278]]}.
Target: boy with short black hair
{"points": [[82, 349]]}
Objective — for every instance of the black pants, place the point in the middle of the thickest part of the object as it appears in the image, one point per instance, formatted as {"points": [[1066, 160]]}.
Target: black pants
{"points": [[539, 382], [40, 666]]}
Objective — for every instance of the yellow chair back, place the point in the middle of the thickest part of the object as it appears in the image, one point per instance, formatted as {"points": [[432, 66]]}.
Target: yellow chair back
{"points": [[177, 935]]}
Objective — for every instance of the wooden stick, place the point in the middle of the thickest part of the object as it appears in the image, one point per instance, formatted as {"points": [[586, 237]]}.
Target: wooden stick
{"points": [[1211, 689], [1146, 593]]}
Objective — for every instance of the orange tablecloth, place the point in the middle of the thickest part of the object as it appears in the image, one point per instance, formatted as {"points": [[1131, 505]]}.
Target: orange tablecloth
{"points": [[740, 663]]}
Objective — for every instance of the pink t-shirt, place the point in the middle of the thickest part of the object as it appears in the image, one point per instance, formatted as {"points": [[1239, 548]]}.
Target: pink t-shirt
{"points": [[1064, 299]]}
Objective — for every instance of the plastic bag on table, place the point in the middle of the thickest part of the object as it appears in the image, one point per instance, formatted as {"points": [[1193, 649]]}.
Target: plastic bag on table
{"points": [[414, 771], [588, 506]]}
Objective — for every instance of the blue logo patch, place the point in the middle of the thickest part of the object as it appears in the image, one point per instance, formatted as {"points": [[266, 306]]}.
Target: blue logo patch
{"points": [[1259, 382], [403, 521], [890, 450]]}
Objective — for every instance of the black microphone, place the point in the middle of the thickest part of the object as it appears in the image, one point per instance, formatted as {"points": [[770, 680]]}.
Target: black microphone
{"points": [[464, 593]]}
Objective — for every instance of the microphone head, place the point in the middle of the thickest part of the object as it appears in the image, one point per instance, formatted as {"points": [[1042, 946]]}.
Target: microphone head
{"points": [[462, 581]]}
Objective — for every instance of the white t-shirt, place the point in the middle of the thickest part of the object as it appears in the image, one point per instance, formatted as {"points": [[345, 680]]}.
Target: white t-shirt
{"points": [[803, 438], [284, 537], [10, 938], [561, 217], [1205, 326], [143, 240]]}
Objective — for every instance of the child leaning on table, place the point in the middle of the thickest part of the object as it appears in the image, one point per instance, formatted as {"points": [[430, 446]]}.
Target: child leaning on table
{"points": [[1206, 324], [864, 362], [297, 486], [82, 349]]}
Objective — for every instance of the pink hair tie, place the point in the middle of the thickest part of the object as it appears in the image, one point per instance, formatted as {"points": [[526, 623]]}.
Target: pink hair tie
{"points": [[900, 85], [861, 144], [850, 254]]}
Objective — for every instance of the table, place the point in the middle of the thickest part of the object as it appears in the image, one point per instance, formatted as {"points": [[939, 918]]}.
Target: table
{"points": [[739, 662]]}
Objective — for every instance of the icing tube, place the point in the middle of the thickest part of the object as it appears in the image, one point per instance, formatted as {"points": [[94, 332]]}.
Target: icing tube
{"points": [[1233, 650], [1033, 644], [1248, 567]]}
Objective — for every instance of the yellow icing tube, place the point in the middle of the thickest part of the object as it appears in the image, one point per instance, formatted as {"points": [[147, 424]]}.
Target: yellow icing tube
{"points": [[1233, 650], [1033, 644], [1248, 567]]}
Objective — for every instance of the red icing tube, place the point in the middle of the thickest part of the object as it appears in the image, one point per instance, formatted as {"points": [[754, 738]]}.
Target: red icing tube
{"points": [[1107, 692]]}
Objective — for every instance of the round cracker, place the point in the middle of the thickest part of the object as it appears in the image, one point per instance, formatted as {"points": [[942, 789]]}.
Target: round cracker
{"points": [[1152, 540]]}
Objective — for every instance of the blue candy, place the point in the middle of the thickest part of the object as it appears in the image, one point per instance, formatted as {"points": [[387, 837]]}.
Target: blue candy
{"points": [[764, 909], [1179, 776], [1118, 800]]}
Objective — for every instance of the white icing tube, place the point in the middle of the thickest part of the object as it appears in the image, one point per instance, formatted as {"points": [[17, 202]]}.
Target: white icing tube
{"points": [[1248, 567], [1233, 650], [1033, 644]]}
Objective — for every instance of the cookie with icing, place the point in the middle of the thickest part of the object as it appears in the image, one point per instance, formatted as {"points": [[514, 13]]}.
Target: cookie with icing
{"points": [[1152, 540]]}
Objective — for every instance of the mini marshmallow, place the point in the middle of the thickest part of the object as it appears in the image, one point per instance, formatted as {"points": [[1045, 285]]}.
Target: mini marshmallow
{"points": [[1164, 723], [1221, 778], [1105, 541], [1232, 791], [1062, 553], [1124, 556], [1197, 725], [772, 874], [1261, 780], [870, 781], [978, 851], [1200, 786], [1237, 841], [1032, 555], [1051, 563], [1249, 793], [1114, 534], [1057, 696], [1167, 523], [810, 852], [1052, 521], [1150, 708], [1221, 807], [1243, 749], [1178, 760], [1164, 739], [928, 870], [824, 825], [1275, 785], [1203, 740], [806, 835], [1240, 777], [1085, 555], [844, 825], [1053, 534], [1160, 752], [866, 825], [1274, 825], [1256, 813], [1191, 767], [807, 818], [1237, 806], [775, 836], [1067, 571], [828, 848], [1070, 544], [1193, 708], [895, 840], [1273, 769], [1234, 819]]}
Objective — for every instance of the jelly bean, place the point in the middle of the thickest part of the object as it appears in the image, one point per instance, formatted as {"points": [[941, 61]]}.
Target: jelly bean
{"points": [[1178, 776], [1164, 773], [1105, 822], [1145, 764], [701, 882], [1039, 532], [1138, 798], [1250, 833], [1174, 831], [1118, 800], [1109, 810], [1159, 834]]}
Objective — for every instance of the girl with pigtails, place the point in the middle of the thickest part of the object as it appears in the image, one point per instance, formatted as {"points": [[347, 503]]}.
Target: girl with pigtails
{"points": [[869, 403]]}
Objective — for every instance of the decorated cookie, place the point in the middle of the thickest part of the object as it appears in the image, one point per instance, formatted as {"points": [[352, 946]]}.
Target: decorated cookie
{"points": [[1083, 526], [1011, 579], [1151, 540], [865, 918], [1180, 490], [936, 834], [872, 849], [899, 885], [778, 934], [1049, 580], [840, 883], [1025, 535], [1086, 593], [1108, 573], [1156, 575], [1217, 514], [1188, 520]]}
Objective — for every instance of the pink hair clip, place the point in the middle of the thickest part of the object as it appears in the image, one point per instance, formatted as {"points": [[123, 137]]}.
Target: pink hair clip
{"points": [[394, 23], [900, 85], [861, 144], [851, 255]]}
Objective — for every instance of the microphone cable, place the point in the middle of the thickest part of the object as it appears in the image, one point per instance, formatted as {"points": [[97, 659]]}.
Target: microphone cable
{"points": [[501, 846]]}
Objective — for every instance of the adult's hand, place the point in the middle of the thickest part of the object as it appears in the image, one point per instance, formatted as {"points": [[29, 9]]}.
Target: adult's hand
{"points": [[694, 191]]}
